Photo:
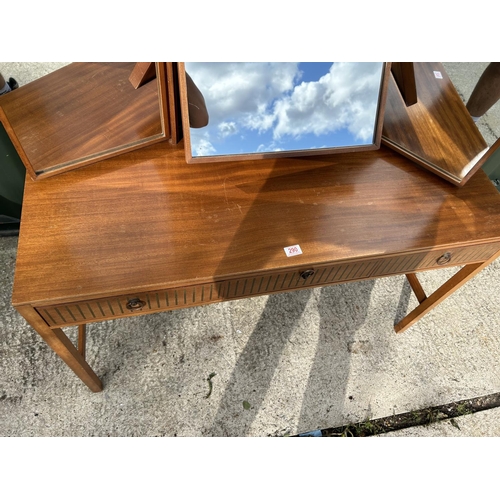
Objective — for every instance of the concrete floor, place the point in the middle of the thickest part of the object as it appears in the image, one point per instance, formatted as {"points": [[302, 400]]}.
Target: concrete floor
{"points": [[284, 364]]}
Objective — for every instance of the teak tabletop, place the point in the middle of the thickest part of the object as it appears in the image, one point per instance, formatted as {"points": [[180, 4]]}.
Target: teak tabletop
{"points": [[145, 232], [148, 220]]}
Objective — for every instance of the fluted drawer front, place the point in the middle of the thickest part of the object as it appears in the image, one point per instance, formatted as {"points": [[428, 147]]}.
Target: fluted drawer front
{"points": [[352, 271], [130, 305], [292, 279], [298, 278], [143, 303], [435, 259]]}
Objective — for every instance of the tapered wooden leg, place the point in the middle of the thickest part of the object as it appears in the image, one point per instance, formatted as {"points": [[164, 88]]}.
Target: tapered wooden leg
{"points": [[81, 339], [416, 287], [63, 347], [444, 291]]}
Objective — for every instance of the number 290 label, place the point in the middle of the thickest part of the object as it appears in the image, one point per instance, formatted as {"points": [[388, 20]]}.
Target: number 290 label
{"points": [[293, 250]]}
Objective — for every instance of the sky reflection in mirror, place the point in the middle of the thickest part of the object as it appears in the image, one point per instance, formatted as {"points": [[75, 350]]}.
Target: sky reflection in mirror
{"points": [[272, 107]]}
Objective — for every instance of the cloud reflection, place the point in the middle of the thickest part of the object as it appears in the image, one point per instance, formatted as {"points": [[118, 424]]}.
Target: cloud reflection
{"points": [[285, 106]]}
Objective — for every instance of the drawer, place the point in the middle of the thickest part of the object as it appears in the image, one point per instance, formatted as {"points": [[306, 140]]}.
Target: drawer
{"points": [[436, 259], [263, 284], [298, 278], [128, 305], [352, 271]]}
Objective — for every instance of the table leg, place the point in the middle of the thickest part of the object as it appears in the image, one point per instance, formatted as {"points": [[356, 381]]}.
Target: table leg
{"points": [[82, 337], [444, 291], [63, 347]]}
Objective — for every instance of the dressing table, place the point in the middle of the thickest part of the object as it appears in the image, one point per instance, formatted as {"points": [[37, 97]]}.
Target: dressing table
{"points": [[145, 232]]}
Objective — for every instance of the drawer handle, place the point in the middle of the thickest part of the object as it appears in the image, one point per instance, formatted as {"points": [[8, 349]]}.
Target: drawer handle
{"points": [[135, 304], [306, 274], [444, 259]]}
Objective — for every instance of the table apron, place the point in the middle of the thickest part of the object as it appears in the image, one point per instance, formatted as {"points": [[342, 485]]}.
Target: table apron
{"points": [[296, 278]]}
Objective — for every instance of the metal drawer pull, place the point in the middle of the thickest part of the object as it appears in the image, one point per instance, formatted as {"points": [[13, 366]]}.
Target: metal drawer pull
{"points": [[135, 304], [444, 259], [306, 274]]}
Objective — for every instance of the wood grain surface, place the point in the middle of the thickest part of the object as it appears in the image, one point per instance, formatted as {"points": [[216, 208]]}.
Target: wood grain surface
{"points": [[147, 221], [437, 132], [81, 113]]}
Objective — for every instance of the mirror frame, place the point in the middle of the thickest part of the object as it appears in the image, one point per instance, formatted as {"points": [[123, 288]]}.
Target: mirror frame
{"points": [[281, 154], [10, 105], [436, 131]]}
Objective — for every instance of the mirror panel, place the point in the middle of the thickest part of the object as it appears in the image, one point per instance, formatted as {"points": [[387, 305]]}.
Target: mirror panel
{"points": [[257, 110], [437, 132], [83, 113]]}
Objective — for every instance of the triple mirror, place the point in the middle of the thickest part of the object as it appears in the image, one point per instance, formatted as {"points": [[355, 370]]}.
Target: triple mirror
{"points": [[251, 110]]}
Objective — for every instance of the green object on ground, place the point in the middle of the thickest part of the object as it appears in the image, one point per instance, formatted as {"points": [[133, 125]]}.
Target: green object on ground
{"points": [[492, 167], [12, 176], [210, 384]]}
